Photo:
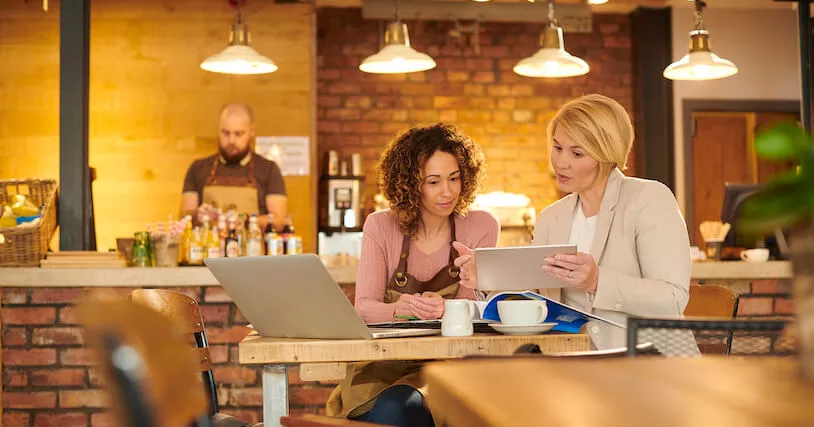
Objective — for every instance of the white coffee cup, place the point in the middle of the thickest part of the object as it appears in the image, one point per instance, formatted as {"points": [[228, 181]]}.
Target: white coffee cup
{"points": [[755, 255], [457, 320], [522, 312]]}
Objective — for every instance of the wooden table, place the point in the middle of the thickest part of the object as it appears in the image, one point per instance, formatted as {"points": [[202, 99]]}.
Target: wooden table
{"points": [[326, 359], [640, 391]]}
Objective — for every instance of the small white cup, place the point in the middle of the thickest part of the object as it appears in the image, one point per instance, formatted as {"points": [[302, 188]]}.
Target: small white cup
{"points": [[755, 255], [522, 312], [457, 320]]}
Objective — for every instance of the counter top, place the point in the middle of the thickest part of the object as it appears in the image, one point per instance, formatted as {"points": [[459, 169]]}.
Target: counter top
{"points": [[200, 276], [741, 270], [128, 277]]}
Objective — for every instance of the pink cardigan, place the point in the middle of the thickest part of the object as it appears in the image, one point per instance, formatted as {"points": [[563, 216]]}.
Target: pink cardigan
{"points": [[381, 248]]}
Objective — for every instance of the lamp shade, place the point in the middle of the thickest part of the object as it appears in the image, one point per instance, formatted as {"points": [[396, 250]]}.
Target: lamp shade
{"points": [[700, 63], [552, 60], [397, 56], [239, 57]]}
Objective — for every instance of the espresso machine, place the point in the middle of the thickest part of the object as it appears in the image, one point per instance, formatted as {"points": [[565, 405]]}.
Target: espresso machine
{"points": [[340, 208]]}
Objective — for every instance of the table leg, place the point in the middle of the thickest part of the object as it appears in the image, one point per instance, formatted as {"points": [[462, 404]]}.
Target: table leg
{"points": [[275, 394]]}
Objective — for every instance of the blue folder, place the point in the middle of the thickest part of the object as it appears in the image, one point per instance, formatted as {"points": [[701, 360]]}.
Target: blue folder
{"points": [[568, 319]]}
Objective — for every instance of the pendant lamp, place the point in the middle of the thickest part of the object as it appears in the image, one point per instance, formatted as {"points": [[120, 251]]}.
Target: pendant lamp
{"points": [[239, 57], [700, 63], [552, 60], [397, 56]]}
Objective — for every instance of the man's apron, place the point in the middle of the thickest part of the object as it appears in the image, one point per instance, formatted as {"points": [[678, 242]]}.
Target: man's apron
{"points": [[365, 381], [232, 192]]}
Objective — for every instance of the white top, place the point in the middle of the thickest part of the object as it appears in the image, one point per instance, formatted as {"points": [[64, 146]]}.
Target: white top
{"points": [[582, 235]]}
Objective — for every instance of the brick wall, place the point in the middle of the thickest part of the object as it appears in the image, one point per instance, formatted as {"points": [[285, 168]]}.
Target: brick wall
{"points": [[760, 297], [504, 112], [49, 378]]}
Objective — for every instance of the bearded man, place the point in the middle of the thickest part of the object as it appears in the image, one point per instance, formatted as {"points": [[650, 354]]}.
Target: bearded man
{"points": [[235, 178]]}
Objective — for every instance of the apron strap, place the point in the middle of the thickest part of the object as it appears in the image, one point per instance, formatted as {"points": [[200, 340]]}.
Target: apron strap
{"points": [[251, 169], [454, 270], [452, 252], [401, 269], [213, 172]]}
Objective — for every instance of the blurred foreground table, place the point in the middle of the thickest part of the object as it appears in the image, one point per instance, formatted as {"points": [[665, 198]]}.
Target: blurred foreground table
{"points": [[641, 391]]}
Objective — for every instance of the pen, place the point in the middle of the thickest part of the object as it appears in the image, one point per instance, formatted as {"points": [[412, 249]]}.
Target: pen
{"points": [[406, 317]]}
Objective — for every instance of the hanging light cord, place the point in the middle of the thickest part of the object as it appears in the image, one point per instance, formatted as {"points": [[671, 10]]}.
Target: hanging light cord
{"points": [[699, 20], [239, 11], [552, 20], [396, 11]]}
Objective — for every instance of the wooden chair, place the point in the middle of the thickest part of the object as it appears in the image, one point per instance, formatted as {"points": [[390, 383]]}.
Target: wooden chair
{"points": [[712, 302], [145, 363], [184, 312]]}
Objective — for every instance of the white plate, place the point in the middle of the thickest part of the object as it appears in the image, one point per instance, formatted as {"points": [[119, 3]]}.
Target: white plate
{"points": [[534, 329]]}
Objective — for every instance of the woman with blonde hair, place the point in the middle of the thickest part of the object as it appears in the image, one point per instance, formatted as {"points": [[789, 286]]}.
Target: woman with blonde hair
{"points": [[633, 248]]}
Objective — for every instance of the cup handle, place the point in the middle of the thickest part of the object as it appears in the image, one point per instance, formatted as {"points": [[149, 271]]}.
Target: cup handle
{"points": [[744, 256], [542, 312]]}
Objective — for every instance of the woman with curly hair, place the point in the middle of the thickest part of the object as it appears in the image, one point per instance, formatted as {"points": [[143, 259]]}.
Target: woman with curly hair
{"points": [[430, 176]]}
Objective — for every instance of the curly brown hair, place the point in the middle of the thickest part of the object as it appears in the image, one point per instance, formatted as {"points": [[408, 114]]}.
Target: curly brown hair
{"points": [[401, 170]]}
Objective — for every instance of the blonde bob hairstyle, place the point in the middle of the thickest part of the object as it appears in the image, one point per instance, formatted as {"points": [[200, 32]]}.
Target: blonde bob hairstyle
{"points": [[600, 126]]}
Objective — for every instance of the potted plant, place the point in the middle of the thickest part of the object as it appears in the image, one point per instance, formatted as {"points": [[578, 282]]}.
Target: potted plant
{"points": [[787, 202]]}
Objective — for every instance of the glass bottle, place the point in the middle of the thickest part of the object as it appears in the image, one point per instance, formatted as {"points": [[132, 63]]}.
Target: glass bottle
{"points": [[232, 245], [254, 241], [213, 244]]}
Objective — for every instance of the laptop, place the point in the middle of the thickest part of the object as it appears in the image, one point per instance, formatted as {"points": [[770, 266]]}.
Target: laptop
{"points": [[294, 296], [517, 268]]}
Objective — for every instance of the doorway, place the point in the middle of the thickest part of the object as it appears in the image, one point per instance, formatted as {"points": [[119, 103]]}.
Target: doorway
{"points": [[719, 148]]}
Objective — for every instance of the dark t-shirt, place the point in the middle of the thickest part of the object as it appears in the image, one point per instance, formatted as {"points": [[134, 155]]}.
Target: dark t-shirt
{"points": [[267, 176]]}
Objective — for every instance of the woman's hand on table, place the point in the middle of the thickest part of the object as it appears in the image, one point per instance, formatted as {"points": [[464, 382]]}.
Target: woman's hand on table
{"points": [[578, 270], [428, 306], [466, 262]]}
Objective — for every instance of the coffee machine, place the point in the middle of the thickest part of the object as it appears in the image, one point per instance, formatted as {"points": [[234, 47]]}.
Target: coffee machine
{"points": [[341, 204], [341, 207]]}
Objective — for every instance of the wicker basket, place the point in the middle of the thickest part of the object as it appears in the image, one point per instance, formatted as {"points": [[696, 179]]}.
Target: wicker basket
{"points": [[26, 246]]}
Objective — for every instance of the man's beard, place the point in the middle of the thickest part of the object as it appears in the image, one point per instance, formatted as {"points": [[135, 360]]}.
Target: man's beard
{"points": [[233, 159]]}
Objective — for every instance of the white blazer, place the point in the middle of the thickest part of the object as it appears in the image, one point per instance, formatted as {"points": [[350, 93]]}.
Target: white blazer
{"points": [[642, 249]]}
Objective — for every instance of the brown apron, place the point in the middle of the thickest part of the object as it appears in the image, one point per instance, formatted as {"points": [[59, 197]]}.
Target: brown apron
{"points": [[232, 192], [365, 381]]}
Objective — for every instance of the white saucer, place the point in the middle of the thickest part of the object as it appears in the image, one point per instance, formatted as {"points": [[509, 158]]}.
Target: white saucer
{"points": [[533, 329]]}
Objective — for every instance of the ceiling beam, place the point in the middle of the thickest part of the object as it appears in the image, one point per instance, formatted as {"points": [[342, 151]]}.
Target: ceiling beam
{"points": [[574, 18], [612, 7]]}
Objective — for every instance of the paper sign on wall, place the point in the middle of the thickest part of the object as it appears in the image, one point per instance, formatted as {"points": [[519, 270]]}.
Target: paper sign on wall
{"points": [[291, 153]]}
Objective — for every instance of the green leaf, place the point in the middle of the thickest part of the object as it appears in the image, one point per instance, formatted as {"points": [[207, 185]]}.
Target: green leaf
{"points": [[786, 179], [784, 140], [783, 204]]}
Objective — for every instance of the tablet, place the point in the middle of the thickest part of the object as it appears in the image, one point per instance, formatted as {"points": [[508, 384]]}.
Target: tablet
{"points": [[517, 268]]}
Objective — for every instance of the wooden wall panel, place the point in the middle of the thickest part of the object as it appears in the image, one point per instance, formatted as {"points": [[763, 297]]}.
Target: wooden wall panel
{"points": [[152, 109]]}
